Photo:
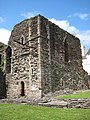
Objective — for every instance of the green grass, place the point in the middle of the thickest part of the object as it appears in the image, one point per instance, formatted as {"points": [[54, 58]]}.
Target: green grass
{"points": [[29, 112], [77, 95]]}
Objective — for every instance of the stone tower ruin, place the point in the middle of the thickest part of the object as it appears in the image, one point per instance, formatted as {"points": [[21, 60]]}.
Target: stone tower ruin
{"points": [[42, 58]]}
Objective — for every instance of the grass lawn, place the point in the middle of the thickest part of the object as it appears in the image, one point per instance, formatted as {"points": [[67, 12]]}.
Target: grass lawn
{"points": [[29, 112], [85, 94]]}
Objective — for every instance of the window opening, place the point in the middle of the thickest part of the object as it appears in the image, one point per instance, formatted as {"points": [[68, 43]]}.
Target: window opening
{"points": [[32, 71], [66, 51], [62, 83], [22, 40], [0, 59], [15, 71], [8, 59]]}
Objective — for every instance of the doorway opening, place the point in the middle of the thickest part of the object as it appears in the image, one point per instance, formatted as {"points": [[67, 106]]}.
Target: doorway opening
{"points": [[22, 89]]}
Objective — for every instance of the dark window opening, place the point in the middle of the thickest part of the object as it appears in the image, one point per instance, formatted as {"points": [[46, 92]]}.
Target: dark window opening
{"points": [[15, 71], [62, 83], [24, 68], [66, 51], [22, 89], [0, 59], [22, 40], [47, 41], [8, 59], [32, 71]]}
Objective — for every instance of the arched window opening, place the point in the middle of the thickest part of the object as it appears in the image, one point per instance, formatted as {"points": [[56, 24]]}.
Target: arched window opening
{"points": [[22, 89], [8, 59], [66, 51], [22, 40]]}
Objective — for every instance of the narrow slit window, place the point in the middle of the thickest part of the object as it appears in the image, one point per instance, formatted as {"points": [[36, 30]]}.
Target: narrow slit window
{"points": [[32, 71], [62, 83], [8, 59], [66, 51], [22, 89], [22, 40], [0, 58]]}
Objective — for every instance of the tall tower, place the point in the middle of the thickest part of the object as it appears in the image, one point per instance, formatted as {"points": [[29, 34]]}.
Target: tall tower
{"points": [[41, 59]]}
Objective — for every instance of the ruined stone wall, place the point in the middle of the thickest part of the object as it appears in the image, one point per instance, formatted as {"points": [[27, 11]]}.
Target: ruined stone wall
{"points": [[2, 74], [66, 62], [61, 59], [43, 59], [24, 43], [2, 56], [2, 85], [45, 56]]}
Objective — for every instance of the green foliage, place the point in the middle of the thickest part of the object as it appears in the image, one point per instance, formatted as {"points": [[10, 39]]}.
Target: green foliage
{"points": [[77, 95], [29, 112]]}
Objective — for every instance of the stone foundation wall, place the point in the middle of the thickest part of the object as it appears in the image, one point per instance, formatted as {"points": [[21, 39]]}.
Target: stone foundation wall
{"points": [[66, 103], [83, 103]]}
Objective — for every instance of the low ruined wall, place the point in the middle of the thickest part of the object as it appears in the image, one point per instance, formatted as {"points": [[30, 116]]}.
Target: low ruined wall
{"points": [[51, 102], [67, 103]]}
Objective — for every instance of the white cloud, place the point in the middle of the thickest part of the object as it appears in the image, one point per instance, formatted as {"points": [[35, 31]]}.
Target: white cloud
{"points": [[84, 36], [65, 25], [4, 35], [29, 14], [2, 20], [82, 16]]}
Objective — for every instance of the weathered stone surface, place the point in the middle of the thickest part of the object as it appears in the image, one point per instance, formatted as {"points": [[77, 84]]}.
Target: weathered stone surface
{"points": [[2, 74], [2, 56], [42, 59], [52, 102], [2, 85]]}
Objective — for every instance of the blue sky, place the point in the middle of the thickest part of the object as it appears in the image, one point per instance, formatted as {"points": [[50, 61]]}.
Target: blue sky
{"points": [[71, 15]]}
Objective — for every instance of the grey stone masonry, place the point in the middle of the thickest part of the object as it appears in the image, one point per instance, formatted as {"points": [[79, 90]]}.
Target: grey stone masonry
{"points": [[42, 58], [2, 68]]}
